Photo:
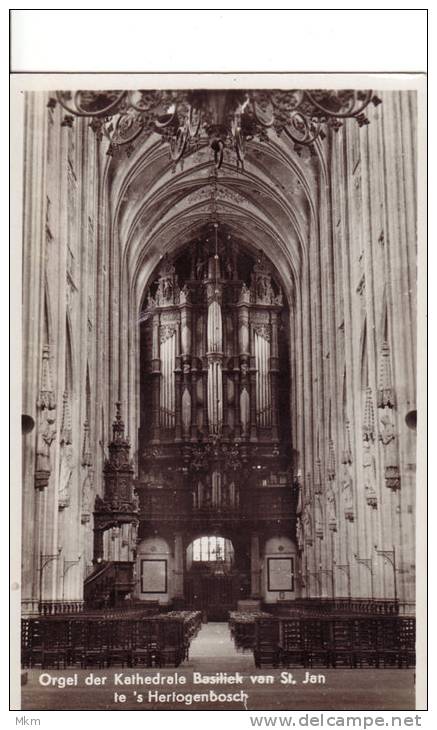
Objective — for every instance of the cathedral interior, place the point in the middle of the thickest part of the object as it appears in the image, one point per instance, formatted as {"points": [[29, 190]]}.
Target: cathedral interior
{"points": [[219, 352]]}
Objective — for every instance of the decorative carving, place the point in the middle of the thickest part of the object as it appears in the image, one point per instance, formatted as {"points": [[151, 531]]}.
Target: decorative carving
{"points": [[347, 452], [331, 461], [318, 515], [207, 193], [331, 510], [387, 430], [46, 398], [226, 120], [46, 435], [118, 502], [259, 318], [87, 502], [317, 483], [184, 295], [65, 475], [385, 390], [46, 427], [393, 477], [261, 286], [167, 331], [299, 535], [369, 417], [167, 293], [66, 425], [369, 475], [307, 528], [244, 297], [86, 449], [387, 436], [263, 331]]}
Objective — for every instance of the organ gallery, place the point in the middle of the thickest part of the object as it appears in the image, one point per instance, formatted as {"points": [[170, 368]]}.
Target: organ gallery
{"points": [[219, 350]]}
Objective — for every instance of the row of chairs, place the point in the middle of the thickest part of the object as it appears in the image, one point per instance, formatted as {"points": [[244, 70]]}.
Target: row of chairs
{"points": [[242, 628], [331, 642], [149, 642]]}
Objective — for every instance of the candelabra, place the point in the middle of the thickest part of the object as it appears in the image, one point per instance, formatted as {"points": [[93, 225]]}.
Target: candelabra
{"points": [[221, 119]]}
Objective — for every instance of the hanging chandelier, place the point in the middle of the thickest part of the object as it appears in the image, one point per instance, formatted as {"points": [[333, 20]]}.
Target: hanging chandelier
{"points": [[188, 120]]}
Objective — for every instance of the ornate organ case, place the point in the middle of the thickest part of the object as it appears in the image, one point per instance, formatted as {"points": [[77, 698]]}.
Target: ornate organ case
{"points": [[209, 369]]}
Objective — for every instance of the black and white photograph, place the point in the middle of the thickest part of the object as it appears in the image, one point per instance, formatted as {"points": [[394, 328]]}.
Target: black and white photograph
{"points": [[219, 326], [218, 289]]}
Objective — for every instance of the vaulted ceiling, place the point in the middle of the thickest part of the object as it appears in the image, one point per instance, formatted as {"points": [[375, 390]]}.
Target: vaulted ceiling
{"points": [[271, 205]]}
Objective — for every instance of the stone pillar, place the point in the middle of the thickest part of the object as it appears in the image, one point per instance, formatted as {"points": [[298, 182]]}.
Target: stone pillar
{"points": [[274, 371], [178, 566], [255, 567], [205, 398], [237, 395], [252, 380], [193, 404], [156, 377], [187, 390], [178, 392]]}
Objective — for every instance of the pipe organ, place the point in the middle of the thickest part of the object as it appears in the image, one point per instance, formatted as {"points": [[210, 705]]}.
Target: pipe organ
{"points": [[214, 442], [212, 368]]}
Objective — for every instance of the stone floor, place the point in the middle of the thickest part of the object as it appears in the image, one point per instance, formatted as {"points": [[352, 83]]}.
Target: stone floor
{"points": [[212, 652]]}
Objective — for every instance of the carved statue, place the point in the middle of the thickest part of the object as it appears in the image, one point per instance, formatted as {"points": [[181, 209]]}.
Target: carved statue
{"points": [[184, 295], [387, 431], [244, 370], [167, 290], [299, 534], [387, 436], [261, 290], [151, 303], [244, 409], [369, 475], [318, 517], [307, 528], [331, 509], [65, 475], [279, 299], [87, 504], [135, 501], [45, 437], [244, 294]]}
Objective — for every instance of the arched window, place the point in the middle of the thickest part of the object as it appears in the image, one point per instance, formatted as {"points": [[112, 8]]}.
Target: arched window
{"points": [[209, 549]]}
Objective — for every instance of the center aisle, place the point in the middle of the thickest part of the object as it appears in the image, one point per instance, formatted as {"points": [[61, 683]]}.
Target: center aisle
{"points": [[214, 648]]}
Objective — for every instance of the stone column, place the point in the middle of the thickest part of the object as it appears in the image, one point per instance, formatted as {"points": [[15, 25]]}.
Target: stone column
{"points": [[237, 395], [178, 566], [255, 567], [274, 370], [156, 377], [193, 404], [187, 389], [252, 380], [205, 397], [178, 390]]}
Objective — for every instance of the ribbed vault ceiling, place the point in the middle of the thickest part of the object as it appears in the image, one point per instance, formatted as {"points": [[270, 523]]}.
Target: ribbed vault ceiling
{"points": [[270, 205]]}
